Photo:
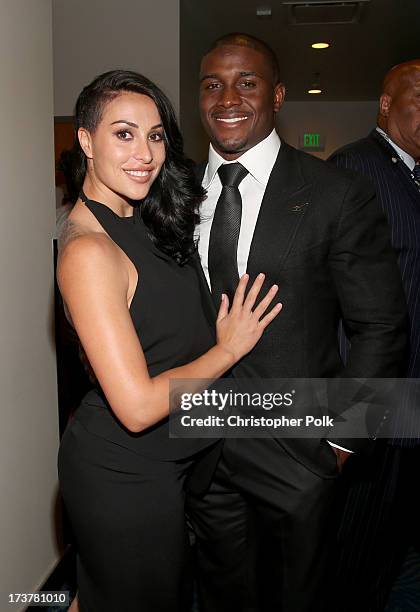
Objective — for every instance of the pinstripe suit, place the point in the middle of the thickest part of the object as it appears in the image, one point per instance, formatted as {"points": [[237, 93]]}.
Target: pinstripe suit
{"points": [[379, 500], [400, 199]]}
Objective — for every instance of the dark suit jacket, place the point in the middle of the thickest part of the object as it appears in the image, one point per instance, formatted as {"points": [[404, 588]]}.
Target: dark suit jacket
{"points": [[399, 198], [322, 237]]}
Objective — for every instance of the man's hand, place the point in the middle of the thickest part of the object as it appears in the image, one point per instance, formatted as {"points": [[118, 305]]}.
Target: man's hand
{"points": [[342, 457]]}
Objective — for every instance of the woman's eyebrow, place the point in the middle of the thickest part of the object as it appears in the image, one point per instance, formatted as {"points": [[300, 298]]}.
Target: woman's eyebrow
{"points": [[134, 125], [130, 123]]}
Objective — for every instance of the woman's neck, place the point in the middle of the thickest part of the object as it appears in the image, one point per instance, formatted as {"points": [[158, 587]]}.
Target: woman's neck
{"points": [[99, 192]]}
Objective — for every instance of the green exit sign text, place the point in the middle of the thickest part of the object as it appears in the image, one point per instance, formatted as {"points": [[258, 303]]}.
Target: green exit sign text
{"points": [[311, 141]]}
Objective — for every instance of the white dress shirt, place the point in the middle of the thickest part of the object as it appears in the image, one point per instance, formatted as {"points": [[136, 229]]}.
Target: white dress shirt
{"points": [[259, 162], [406, 158]]}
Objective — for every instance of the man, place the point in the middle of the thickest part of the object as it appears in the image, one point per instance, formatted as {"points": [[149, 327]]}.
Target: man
{"points": [[382, 505], [298, 222]]}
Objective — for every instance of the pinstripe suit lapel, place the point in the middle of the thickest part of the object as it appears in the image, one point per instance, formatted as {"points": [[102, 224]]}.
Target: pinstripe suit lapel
{"points": [[396, 165]]}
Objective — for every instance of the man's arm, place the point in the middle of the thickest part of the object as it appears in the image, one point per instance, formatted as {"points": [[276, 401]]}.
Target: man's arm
{"points": [[367, 279], [366, 275]]}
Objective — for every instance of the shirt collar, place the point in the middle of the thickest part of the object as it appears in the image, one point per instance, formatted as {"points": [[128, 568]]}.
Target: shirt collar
{"points": [[406, 158], [259, 160]]}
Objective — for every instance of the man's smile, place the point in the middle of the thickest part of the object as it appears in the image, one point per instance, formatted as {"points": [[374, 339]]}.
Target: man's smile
{"points": [[231, 119]]}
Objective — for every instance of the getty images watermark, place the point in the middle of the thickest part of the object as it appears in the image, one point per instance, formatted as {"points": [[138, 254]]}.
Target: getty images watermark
{"points": [[239, 401], [298, 408]]}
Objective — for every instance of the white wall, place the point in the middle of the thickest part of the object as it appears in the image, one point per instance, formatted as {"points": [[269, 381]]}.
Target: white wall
{"points": [[92, 36], [28, 403]]}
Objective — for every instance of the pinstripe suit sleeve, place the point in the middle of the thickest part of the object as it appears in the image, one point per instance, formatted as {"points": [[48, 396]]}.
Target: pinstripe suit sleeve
{"points": [[400, 201]]}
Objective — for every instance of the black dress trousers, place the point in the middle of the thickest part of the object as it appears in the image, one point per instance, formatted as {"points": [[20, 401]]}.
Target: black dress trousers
{"points": [[265, 532]]}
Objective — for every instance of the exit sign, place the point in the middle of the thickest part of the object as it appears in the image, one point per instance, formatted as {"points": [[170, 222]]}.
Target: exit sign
{"points": [[311, 141]]}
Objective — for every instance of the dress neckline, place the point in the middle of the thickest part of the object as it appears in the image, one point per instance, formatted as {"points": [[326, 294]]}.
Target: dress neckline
{"points": [[103, 206], [135, 222]]}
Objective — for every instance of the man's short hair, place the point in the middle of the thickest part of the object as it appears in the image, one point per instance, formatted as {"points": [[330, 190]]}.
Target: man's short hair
{"points": [[247, 40]]}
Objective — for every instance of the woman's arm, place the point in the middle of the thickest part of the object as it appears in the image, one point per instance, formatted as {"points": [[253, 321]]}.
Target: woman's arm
{"points": [[94, 285]]}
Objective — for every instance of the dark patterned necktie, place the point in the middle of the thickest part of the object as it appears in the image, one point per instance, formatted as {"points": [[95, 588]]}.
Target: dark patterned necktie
{"points": [[416, 175], [224, 234]]}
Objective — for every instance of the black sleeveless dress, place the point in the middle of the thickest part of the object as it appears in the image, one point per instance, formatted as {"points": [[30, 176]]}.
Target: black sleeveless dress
{"points": [[124, 491]]}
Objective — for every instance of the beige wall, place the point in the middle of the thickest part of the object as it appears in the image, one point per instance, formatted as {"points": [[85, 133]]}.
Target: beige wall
{"points": [[28, 405], [92, 36], [89, 37], [339, 122]]}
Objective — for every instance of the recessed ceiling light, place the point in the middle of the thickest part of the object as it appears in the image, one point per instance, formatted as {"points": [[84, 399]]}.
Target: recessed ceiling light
{"points": [[263, 11], [315, 86], [320, 45]]}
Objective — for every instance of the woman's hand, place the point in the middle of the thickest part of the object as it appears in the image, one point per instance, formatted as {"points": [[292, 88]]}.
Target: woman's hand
{"points": [[240, 328]]}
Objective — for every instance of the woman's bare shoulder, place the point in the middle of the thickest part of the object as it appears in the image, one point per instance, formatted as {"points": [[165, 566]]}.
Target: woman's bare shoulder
{"points": [[69, 231], [82, 234], [79, 222], [81, 246], [87, 255]]}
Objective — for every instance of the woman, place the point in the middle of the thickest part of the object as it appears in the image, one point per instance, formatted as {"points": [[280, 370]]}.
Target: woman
{"points": [[131, 292]]}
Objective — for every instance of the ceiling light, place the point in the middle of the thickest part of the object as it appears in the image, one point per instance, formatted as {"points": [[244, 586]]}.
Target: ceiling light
{"points": [[320, 45], [264, 12], [315, 87]]}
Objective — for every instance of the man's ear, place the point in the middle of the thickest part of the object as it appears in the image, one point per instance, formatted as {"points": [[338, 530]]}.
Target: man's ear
{"points": [[384, 105], [85, 141], [279, 95]]}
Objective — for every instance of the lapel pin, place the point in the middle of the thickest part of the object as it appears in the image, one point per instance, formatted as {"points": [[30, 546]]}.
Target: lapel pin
{"points": [[298, 207], [394, 160]]}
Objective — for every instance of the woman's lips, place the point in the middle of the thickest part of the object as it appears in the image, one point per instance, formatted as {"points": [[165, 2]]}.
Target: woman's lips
{"points": [[139, 176], [138, 172]]}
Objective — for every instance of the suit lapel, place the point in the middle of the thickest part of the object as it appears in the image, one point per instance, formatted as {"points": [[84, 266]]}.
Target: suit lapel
{"points": [[285, 201], [206, 298], [199, 171], [284, 205], [397, 165]]}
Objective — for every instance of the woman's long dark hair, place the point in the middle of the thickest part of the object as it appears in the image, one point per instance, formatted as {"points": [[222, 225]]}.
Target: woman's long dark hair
{"points": [[170, 209]]}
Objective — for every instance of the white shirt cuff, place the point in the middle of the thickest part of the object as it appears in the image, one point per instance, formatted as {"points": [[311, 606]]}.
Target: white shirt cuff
{"points": [[340, 447]]}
